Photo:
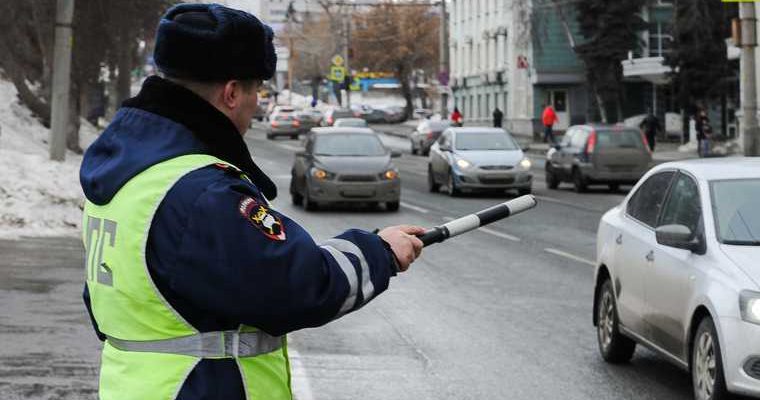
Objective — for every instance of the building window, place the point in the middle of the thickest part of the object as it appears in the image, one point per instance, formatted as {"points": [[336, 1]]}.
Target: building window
{"points": [[660, 40]]}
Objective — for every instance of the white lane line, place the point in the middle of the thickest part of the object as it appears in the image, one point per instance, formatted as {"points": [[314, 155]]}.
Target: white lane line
{"points": [[570, 256], [491, 232], [415, 208], [283, 177], [301, 385], [404, 172]]}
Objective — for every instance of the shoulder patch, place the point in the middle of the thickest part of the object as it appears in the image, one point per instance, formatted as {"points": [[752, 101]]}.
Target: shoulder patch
{"points": [[226, 167], [262, 218]]}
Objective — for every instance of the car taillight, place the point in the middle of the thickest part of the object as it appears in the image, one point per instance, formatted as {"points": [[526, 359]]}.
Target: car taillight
{"points": [[275, 124], [329, 120], [430, 135], [591, 145], [296, 123]]}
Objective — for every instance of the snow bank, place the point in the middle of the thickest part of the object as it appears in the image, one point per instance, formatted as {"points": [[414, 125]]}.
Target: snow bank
{"points": [[38, 197]]}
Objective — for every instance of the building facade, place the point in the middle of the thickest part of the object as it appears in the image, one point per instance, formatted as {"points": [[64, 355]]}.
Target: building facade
{"points": [[515, 55]]}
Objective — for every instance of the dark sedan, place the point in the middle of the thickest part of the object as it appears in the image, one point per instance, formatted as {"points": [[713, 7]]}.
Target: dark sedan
{"points": [[426, 134], [345, 165]]}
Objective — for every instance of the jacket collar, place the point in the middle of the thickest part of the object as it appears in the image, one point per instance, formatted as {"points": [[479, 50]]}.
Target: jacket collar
{"points": [[209, 125]]}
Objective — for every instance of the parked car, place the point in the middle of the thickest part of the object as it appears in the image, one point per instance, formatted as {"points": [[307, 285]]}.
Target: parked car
{"points": [[345, 165], [421, 113], [261, 110], [334, 113], [350, 123], [677, 271], [393, 114], [478, 159], [426, 133], [375, 116], [283, 124], [598, 154]]}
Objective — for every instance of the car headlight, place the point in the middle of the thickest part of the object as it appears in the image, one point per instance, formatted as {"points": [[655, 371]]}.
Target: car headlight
{"points": [[464, 164], [525, 163], [749, 304], [390, 174], [321, 174]]}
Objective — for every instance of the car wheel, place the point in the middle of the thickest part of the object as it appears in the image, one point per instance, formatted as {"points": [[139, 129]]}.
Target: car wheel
{"points": [[392, 205], [433, 187], [524, 191], [414, 149], [270, 136], [308, 203], [614, 187], [294, 137], [451, 186], [707, 364], [552, 180], [579, 181], [426, 152], [296, 197], [614, 347]]}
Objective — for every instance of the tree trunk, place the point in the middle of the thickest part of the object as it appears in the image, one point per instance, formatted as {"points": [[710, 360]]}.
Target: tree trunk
{"points": [[72, 128], [38, 106], [124, 80], [602, 106], [406, 91]]}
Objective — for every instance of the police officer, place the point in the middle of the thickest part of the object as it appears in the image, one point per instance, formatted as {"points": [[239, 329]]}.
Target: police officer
{"points": [[193, 279]]}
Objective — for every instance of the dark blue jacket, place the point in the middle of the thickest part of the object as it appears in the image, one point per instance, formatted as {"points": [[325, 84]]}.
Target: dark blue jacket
{"points": [[213, 265]]}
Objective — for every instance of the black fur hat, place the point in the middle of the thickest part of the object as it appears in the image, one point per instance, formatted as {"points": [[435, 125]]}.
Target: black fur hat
{"points": [[210, 42]]}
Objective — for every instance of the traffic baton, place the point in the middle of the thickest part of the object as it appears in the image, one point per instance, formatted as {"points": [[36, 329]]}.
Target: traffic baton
{"points": [[477, 220]]}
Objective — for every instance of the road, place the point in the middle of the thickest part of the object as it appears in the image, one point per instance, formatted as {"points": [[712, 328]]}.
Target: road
{"points": [[500, 313]]}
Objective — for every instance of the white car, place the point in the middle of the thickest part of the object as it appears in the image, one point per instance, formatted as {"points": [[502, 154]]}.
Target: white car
{"points": [[679, 272]]}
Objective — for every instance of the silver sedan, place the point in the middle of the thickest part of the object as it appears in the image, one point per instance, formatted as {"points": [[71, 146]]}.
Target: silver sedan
{"points": [[476, 159]]}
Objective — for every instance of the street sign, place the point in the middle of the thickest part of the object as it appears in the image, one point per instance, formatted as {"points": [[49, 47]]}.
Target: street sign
{"points": [[338, 60], [337, 74]]}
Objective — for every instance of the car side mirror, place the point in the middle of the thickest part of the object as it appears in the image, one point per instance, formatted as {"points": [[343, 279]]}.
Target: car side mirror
{"points": [[557, 146], [525, 147], [444, 147], [680, 237], [395, 154]]}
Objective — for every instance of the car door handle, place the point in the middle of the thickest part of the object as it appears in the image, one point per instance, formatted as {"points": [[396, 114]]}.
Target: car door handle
{"points": [[619, 239], [650, 256]]}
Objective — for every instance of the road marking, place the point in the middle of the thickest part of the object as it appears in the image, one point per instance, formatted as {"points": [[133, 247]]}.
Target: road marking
{"points": [[415, 208], [570, 256], [301, 385], [568, 204], [283, 177], [491, 232]]}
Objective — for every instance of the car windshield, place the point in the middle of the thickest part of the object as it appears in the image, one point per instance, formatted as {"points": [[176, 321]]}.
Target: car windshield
{"points": [[737, 216], [439, 126], [619, 140], [484, 141], [349, 144]]}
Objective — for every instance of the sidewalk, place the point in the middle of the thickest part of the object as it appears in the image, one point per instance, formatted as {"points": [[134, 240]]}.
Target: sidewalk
{"points": [[664, 151]]}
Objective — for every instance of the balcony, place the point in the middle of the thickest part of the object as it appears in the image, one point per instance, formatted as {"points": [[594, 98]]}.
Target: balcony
{"points": [[650, 69]]}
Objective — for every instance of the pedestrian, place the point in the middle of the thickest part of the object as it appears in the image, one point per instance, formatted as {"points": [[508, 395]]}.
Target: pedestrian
{"points": [[549, 118], [193, 279], [704, 131], [650, 126], [456, 117], [498, 117]]}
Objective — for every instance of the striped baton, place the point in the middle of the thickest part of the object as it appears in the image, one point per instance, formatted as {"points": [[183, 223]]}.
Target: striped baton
{"points": [[478, 219]]}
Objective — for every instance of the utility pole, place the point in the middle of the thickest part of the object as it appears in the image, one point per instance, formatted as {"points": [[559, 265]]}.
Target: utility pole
{"points": [[291, 56], [750, 130], [346, 53], [444, 59], [61, 79]]}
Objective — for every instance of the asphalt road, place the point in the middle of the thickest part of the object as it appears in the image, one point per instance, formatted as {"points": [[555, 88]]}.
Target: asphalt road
{"points": [[500, 313]]}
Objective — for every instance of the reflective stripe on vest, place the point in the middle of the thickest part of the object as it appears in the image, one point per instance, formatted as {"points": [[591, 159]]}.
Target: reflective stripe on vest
{"points": [[223, 344], [151, 349]]}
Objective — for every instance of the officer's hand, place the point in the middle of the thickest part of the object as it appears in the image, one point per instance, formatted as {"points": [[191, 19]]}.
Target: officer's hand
{"points": [[405, 245]]}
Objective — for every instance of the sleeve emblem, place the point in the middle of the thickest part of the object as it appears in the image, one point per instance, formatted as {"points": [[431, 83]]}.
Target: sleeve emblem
{"points": [[262, 218]]}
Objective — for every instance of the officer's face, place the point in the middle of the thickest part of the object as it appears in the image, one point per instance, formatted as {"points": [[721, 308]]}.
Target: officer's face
{"points": [[240, 102]]}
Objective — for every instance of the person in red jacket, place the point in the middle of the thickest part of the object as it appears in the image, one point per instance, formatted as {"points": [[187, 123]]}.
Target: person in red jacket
{"points": [[549, 118], [456, 117]]}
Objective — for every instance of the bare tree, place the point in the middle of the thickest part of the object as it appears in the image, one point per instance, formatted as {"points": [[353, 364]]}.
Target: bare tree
{"points": [[397, 39]]}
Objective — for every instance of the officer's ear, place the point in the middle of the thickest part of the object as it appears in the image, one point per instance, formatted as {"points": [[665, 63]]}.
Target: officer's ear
{"points": [[232, 94]]}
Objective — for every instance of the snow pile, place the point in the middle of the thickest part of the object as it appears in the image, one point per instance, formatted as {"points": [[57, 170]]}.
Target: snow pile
{"points": [[38, 197]]}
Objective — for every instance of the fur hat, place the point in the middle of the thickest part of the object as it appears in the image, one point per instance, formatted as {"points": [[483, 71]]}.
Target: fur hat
{"points": [[210, 42]]}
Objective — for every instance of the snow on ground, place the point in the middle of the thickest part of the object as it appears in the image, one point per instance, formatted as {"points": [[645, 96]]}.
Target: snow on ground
{"points": [[38, 197]]}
